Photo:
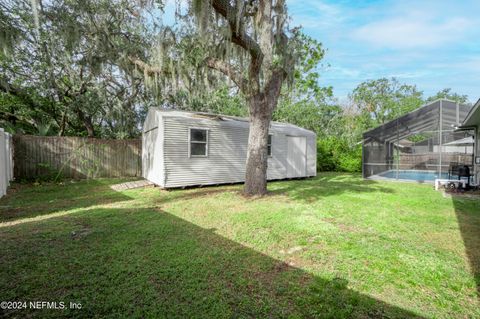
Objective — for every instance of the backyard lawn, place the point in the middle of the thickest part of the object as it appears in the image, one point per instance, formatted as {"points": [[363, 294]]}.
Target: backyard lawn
{"points": [[334, 246]]}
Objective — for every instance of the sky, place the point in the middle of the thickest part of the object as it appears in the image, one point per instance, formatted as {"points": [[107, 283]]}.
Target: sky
{"points": [[433, 44]]}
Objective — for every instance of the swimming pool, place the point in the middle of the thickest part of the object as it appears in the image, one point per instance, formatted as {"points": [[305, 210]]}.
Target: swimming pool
{"points": [[411, 175]]}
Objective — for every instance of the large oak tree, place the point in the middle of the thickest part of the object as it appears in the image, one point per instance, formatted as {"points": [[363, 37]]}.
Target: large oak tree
{"points": [[251, 44], [259, 28]]}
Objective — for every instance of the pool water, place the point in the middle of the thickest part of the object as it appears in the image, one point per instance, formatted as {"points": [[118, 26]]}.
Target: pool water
{"points": [[414, 175]]}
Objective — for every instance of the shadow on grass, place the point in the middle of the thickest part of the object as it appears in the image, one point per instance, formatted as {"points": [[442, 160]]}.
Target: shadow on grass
{"points": [[148, 263], [28, 201], [325, 184], [468, 216], [302, 189]]}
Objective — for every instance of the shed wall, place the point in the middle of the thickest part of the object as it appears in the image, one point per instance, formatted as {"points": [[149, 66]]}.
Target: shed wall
{"points": [[152, 149], [312, 155], [227, 152]]}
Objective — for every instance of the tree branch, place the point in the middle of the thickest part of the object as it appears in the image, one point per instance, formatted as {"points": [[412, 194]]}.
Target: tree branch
{"points": [[146, 68], [229, 70], [239, 35], [6, 87], [9, 116], [274, 86]]}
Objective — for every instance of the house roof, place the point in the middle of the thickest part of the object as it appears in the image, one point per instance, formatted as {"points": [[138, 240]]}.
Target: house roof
{"points": [[234, 120], [473, 117]]}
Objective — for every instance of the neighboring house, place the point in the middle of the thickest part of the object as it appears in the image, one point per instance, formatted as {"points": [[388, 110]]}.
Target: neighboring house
{"points": [[186, 148], [472, 122]]}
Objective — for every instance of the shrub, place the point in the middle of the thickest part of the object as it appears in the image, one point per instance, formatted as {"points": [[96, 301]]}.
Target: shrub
{"points": [[46, 173], [335, 154]]}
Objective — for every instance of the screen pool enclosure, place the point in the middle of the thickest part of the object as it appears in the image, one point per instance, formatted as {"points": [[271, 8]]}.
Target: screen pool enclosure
{"points": [[422, 145]]}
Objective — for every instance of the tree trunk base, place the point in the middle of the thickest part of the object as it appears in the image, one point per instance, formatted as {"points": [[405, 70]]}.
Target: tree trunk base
{"points": [[257, 157]]}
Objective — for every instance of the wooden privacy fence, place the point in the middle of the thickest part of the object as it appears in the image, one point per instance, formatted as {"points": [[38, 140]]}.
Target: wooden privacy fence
{"points": [[6, 161], [431, 160], [75, 157]]}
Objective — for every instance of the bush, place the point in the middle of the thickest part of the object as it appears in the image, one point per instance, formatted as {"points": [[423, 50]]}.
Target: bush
{"points": [[46, 173], [336, 155]]}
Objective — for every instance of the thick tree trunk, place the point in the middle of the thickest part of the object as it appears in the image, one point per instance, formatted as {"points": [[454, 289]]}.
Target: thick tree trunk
{"points": [[63, 123], [89, 127], [257, 157], [87, 122]]}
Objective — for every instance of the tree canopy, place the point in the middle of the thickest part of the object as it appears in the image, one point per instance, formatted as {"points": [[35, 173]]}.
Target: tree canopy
{"points": [[64, 68], [94, 67], [382, 100], [449, 95]]}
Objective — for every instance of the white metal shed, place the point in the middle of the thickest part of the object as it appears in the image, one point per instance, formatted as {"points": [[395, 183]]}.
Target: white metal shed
{"points": [[187, 148]]}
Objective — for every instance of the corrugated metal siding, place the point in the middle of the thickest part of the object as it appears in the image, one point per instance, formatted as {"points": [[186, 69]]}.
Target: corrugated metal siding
{"points": [[159, 159], [227, 152], [277, 163], [312, 155], [152, 150], [151, 163], [145, 159]]}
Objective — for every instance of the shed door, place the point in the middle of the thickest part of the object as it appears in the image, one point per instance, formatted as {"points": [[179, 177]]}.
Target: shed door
{"points": [[296, 156], [148, 156]]}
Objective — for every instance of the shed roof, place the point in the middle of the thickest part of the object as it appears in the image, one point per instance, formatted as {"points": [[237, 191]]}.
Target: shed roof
{"points": [[231, 120]]}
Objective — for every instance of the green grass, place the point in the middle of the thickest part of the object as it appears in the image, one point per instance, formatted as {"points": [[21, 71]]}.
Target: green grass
{"points": [[330, 247]]}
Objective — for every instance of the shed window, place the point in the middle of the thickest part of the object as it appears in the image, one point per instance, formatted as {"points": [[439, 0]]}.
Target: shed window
{"points": [[269, 145], [198, 142]]}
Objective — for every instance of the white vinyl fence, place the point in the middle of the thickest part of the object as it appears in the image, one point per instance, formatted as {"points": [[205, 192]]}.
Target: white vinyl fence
{"points": [[6, 161]]}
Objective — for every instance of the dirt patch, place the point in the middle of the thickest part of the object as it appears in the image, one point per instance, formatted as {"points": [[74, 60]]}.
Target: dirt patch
{"points": [[341, 226], [445, 240], [83, 230], [291, 250], [6, 212], [195, 194], [80, 233], [347, 228]]}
